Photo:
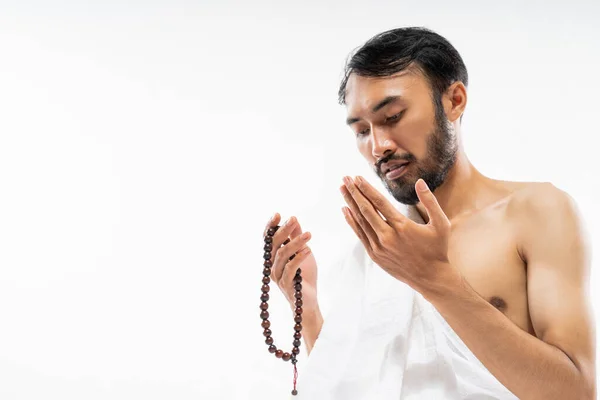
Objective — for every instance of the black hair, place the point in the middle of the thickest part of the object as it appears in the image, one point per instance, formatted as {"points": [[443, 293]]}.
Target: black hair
{"points": [[403, 48]]}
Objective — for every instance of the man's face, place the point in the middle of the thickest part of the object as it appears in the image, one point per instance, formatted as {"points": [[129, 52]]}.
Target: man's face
{"points": [[396, 122]]}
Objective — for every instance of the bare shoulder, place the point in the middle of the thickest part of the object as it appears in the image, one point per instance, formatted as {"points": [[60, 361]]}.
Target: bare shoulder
{"points": [[539, 201], [542, 213]]}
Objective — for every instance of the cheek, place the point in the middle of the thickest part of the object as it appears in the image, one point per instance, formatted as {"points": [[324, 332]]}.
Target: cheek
{"points": [[364, 147], [414, 137]]}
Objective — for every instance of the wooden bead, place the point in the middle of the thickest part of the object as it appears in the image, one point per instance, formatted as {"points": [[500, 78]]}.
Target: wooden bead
{"points": [[297, 278], [269, 340], [267, 272], [266, 280], [266, 324], [286, 356], [271, 231], [297, 327], [297, 318], [265, 288], [299, 310], [296, 350], [298, 287], [297, 343], [298, 295], [264, 297], [267, 333], [279, 353], [268, 264], [265, 315], [267, 255], [294, 392], [268, 239], [272, 349], [298, 303], [297, 335], [264, 306], [268, 247]]}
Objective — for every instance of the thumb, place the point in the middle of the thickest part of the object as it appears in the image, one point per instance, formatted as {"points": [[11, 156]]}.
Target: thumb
{"points": [[437, 217]]}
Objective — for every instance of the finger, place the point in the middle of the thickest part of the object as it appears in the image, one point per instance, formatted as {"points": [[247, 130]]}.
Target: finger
{"points": [[366, 210], [284, 254], [274, 221], [437, 217], [282, 234], [286, 242], [379, 202], [351, 220], [358, 217], [297, 231], [287, 277]]}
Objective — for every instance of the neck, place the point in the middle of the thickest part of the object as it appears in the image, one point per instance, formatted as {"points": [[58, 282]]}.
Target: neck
{"points": [[461, 191]]}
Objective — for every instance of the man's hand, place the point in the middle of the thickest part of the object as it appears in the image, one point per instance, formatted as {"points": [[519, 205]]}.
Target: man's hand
{"points": [[414, 253], [289, 241]]}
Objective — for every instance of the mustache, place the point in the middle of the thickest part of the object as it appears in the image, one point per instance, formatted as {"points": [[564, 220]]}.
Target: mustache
{"points": [[404, 157]]}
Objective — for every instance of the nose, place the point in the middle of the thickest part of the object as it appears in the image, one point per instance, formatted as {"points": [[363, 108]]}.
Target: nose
{"points": [[382, 143]]}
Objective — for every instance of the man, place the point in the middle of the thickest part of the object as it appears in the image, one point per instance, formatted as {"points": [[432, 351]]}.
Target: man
{"points": [[506, 264]]}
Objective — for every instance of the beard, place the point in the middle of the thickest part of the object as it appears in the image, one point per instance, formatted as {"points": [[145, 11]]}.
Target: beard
{"points": [[442, 147]]}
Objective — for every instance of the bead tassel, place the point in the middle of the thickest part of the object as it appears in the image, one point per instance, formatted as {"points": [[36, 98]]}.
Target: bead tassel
{"points": [[295, 377]]}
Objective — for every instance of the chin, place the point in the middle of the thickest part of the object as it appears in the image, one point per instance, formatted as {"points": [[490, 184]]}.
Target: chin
{"points": [[403, 190], [407, 198]]}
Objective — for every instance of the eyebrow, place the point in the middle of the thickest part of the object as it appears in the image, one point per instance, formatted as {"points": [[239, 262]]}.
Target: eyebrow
{"points": [[377, 107]]}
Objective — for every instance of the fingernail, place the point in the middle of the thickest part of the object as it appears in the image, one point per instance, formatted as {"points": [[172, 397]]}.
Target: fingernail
{"points": [[421, 185], [305, 235]]}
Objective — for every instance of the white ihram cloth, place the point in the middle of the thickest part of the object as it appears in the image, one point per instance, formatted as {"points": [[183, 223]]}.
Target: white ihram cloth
{"points": [[382, 340]]}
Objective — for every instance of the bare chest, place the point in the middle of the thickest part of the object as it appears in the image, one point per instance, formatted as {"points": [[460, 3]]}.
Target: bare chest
{"points": [[483, 247]]}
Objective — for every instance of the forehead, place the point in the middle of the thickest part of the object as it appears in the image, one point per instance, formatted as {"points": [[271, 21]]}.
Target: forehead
{"points": [[363, 92]]}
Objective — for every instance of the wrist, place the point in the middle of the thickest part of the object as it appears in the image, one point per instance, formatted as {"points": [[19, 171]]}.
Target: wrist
{"points": [[312, 315], [309, 313], [447, 283]]}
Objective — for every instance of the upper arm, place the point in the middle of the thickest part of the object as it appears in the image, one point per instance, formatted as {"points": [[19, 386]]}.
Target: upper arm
{"points": [[555, 247]]}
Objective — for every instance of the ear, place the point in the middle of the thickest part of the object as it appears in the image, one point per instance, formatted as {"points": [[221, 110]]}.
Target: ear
{"points": [[454, 101]]}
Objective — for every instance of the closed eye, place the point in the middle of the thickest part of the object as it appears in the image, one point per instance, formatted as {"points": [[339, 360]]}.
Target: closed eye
{"points": [[395, 117], [363, 132], [389, 120]]}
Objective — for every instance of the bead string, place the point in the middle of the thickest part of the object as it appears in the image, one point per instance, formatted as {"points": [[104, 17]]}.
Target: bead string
{"points": [[264, 306]]}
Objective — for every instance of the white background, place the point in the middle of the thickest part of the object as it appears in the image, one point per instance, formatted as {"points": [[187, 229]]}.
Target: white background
{"points": [[144, 146]]}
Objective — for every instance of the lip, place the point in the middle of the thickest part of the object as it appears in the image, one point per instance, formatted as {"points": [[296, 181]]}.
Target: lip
{"points": [[396, 173], [385, 167]]}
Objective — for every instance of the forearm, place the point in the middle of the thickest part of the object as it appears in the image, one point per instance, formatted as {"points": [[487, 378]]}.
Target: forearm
{"points": [[527, 366]]}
